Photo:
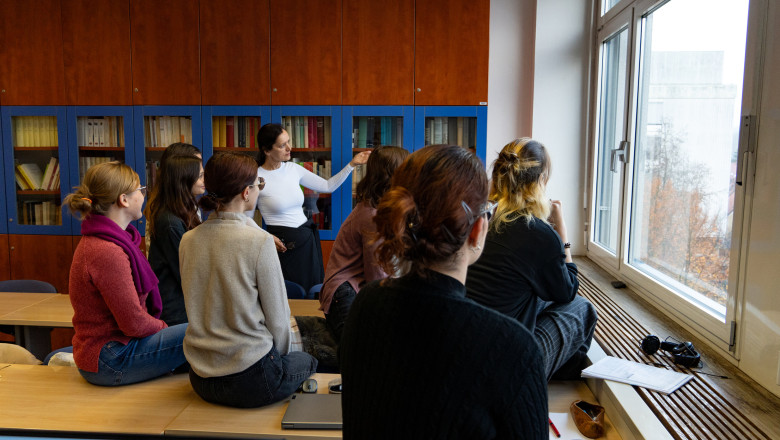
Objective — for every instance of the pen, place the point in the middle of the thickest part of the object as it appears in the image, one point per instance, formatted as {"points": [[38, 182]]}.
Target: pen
{"points": [[555, 430]]}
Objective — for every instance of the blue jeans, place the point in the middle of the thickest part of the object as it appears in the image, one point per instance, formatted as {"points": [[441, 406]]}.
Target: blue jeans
{"points": [[141, 359], [269, 380]]}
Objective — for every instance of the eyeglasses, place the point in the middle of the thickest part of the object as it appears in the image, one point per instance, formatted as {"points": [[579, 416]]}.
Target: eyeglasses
{"points": [[489, 208], [142, 190], [260, 184]]}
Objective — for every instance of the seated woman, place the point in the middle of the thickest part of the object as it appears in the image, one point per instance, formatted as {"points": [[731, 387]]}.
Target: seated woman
{"points": [[526, 270], [238, 339], [418, 359], [116, 304], [173, 210], [297, 238], [352, 262]]}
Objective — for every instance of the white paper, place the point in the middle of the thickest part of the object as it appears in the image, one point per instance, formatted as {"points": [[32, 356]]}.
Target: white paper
{"points": [[633, 373], [565, 425]]}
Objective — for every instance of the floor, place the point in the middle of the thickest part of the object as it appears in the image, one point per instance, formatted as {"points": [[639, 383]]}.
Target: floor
{"points": [[762, 407]]}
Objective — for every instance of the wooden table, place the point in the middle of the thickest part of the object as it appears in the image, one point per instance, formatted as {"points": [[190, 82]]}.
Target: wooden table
{"points": [[13, 301], [305, 307], [203, 419], [46, 398]]}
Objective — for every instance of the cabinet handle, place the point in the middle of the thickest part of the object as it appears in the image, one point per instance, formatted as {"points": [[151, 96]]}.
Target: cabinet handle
{"points": [[3, 90], [12, 248], [419, 90], [135, 90], [274, 89]]}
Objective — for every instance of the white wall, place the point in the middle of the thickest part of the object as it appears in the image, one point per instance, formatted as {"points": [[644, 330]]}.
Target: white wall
{"points": [[510, 73], [759, 328], [563, 37]]}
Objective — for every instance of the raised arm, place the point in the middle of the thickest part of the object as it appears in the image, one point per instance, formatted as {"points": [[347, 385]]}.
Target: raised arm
{"points": [[317, 183]]}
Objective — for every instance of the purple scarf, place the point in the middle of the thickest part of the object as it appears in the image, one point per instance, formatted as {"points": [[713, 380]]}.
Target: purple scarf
{"points": [[102, 227]]}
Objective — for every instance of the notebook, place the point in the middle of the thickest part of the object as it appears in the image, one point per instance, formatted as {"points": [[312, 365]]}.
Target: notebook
{"points": [[313, 411]]}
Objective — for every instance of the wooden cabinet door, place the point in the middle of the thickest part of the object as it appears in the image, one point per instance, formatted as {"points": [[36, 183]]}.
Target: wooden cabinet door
{"points": [[451, 52], [41, 257], [5, 264], [166, 58], [306, 52], [31, 65], [378, 51], [234, 40], [96, 46]]}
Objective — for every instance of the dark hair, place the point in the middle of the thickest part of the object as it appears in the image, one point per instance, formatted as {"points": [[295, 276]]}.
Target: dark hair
{"points": [[422, 218], [178, 149], [102, 185], [173, 192], [226, 175], [380, 167], [266, 138]]}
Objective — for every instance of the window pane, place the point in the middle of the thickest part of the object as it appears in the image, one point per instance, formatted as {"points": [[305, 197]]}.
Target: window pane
{"points": [[606, 5], [612, 96], [690, 92]]}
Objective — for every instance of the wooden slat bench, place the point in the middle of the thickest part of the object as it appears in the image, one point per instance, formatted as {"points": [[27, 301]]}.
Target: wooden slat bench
{"points": [[697, 411]]}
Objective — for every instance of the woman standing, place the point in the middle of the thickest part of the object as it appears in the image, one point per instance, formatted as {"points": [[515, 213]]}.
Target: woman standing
{"points": [[238, 339], [352, 262], [296, 238], [173, 210], [443, 366], [116, 304], [526, 270]]}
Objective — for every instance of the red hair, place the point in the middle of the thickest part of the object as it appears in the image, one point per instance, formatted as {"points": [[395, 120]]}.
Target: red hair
{"points": [[422, 218]]}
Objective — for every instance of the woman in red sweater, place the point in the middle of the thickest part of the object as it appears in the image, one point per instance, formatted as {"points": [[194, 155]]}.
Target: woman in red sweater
{"points": [[119, 337]]}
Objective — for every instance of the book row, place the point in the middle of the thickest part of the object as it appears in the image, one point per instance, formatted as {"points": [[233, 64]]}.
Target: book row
{"points": [[29, 176], [373, 131], [34, 131], [161, 131], [308, 131], [104, 131], [40, 213], [234, 131], [451, 130], [86, 162]]}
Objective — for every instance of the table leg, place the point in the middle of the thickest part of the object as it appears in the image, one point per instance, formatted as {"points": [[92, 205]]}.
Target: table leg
{"points": [[37, 340]]}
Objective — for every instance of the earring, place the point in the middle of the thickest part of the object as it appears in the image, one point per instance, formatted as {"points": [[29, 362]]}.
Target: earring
{"points": [[476, 249], [246, 199]]}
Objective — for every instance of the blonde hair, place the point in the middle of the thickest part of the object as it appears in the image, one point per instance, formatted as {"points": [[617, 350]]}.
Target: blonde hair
{"points": [[101, 188], [518, 183]]}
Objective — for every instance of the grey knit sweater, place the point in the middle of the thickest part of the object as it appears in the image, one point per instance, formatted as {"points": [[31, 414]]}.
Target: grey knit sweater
{"points": [[234, 294]]}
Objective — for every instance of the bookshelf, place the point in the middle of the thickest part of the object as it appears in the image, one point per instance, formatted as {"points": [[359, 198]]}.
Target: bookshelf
{"points": [[232, 128], [315, 137], [454, 125], [102, 134], [156, 127], [36, 163], [3, 216], [366, 127]]}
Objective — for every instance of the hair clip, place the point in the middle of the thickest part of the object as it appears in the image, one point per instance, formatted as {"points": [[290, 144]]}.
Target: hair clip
{"points": [[89, 200]]}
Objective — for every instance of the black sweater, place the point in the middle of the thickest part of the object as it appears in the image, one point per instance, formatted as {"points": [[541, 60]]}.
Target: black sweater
{"points": [[164, 259], [523, 263], [420, 360]]}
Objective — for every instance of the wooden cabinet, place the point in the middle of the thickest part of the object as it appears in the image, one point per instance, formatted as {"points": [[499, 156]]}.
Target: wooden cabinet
{"points": [[31, 64], [96, 46], [234, 48], [5, 266], [306, 52], [41, 257], [378, 51], [165, 54], [451, 52]]}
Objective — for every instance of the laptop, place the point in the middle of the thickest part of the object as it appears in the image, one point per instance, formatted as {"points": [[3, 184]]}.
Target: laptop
{"points": [[313, 411]]}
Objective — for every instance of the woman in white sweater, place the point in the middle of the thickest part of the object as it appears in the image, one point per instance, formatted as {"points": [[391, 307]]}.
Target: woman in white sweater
{"points": [[296, 238], [238, 339]]}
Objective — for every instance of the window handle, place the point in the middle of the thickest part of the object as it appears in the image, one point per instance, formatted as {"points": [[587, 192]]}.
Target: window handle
{"points": [[618, 154]]}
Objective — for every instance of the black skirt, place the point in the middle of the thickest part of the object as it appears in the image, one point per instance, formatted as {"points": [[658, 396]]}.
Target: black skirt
{"points": [[302, 262]]}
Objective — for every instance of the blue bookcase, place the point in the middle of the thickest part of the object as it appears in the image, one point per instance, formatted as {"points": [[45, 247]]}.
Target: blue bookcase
{"points": [[98, 134], [156, 127], [245, 120], [315, 135], [365, 127], [434, 125], [3, 216], [35, 137]]}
